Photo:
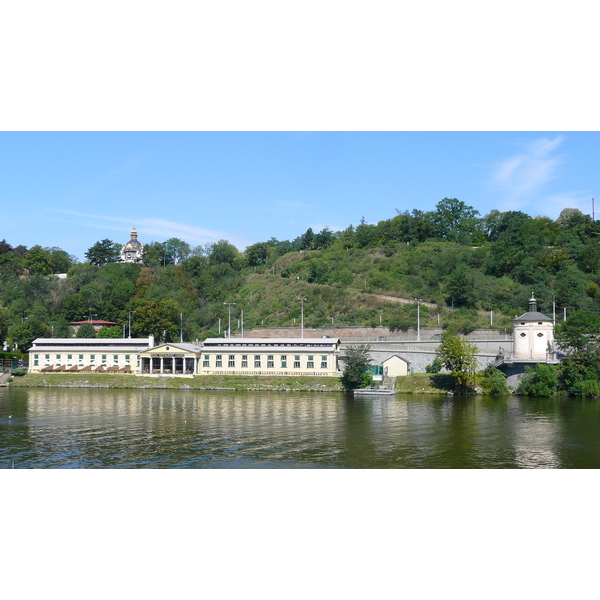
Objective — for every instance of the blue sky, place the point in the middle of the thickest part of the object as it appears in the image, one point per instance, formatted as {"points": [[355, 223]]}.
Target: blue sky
{"points": [[72, 189]]}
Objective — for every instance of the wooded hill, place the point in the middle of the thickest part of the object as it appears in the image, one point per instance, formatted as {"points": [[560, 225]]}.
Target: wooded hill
{"points": [[463, 264]]}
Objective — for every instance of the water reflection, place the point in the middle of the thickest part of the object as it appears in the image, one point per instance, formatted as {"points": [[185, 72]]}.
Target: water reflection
{"points": [[62, 428]]}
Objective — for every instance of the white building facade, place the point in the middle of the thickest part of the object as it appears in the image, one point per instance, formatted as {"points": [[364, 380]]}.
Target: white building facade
{"points": [[270, 356], [87, 354], [533, 335]]}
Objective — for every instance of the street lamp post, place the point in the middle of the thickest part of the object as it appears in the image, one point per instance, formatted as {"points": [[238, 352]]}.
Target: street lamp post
{"points": [[181, 327], [302, 313], [229, 305], [418, 319]]}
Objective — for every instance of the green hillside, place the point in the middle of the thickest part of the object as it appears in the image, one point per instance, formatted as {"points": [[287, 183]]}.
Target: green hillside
{"points": [[461, 266]]}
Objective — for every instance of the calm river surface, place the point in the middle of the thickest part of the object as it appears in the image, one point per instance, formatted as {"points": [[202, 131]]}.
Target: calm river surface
{"points": [[91, 428]]}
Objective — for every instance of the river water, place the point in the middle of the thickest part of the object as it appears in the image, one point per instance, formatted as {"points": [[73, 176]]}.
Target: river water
{"points": [[91, 428]]}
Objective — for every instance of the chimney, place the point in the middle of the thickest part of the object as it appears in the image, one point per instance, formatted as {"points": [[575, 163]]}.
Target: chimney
{"points": [[150, 341]]}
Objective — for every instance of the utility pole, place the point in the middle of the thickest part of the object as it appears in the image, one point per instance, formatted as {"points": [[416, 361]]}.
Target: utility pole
{"points": [[229, 305], [181, 327], [418, 319], [242, 322], [302, 326], [130, 324]]}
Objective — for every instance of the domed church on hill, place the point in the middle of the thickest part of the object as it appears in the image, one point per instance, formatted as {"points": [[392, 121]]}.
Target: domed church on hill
{"points": [[133, 250]]}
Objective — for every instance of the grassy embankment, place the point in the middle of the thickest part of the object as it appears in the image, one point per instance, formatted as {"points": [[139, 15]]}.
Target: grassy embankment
{"points": [[208, 382], [421, 383], [424, 383]]}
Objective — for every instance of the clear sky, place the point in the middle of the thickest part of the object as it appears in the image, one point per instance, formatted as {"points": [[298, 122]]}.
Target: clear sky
{"points": [[72, 189]]}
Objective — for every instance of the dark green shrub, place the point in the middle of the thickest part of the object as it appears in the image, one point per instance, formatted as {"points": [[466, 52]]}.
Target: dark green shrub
{"points": [[493, 381], [434, 367], [19, 371], [541, 381]]}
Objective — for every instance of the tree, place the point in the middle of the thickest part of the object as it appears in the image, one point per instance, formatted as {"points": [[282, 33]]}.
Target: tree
{"points": [[541, 381], [579, 334], [257, 254], [103, 252], [86, 330], [39, 261], [157, 318], [458, 357], [177, 250], [222, 252], [110, 332], [457, 222], [356, 371]]}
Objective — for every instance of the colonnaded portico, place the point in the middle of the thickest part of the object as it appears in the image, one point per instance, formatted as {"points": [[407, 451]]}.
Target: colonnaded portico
{"points": [[171, 359]]}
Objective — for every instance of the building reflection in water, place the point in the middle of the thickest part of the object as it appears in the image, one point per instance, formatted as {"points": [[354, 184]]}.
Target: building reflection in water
{"points": [[164, 428]]}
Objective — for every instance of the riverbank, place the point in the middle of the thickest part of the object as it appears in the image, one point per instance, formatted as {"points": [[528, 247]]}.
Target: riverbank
{"points": [[413, 384], [208, 382]]}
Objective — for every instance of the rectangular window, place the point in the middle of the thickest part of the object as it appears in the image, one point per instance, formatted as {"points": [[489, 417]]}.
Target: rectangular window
{"points": [[69, 357], [296, 362], [92, 357], [104, 358], [244, 361], [270, 362], [35, 356], [47, 356], [283, 361], [81, 357], [219, 360], [311, 362], [231, 362], [206, 362], [127, 357], [323, 362], [257, 361], [58, 357], [35, 362]]}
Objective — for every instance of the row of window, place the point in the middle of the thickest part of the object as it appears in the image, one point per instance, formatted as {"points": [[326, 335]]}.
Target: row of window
{"points": [[92, 356], [70, 357], [283, 361]]}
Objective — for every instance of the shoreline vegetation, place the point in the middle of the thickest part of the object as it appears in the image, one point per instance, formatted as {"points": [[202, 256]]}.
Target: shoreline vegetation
{"points": [[206, 382], [421, 383]]}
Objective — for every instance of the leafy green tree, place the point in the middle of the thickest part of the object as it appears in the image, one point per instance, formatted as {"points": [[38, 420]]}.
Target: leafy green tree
{"points": [[159, 318], [86, 330], [103, 252], [39, 261], [62, 328], [457, 222], [356, 370], [176, 250], [3, 326], [257, 254], [458, 357], [579, 334], [460, 289], [223, 252], [110, 332], [493, 381], [23, 334], [60, 261]]}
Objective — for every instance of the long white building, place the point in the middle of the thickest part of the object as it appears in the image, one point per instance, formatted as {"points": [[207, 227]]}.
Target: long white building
{"points": [[215, 356], [270, 356], [87, 354]]}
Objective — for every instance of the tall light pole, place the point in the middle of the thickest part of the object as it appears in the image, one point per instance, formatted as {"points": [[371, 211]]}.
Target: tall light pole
{"points": [[418, 319], [302, 321], [229, 305], [181, 327], [130, 324]]}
